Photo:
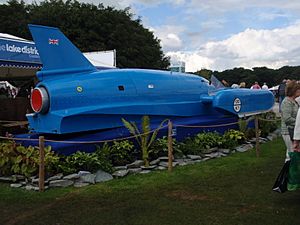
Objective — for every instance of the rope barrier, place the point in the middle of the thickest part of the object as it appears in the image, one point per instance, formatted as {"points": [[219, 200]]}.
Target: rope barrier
{"points": [[129, 137], [208, 126], [13, 121], [269, 120], [18, 139], [84, 142], [116, 139]]}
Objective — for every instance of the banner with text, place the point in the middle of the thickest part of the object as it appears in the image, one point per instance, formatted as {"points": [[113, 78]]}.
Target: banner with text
{"points": [[18, 51]]}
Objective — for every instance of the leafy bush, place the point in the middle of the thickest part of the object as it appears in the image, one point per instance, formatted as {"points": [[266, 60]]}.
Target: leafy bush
{"points": [[200, 143], [235, 135], [208, 140], [17, 159], [189, 147], [232, 138], [160, 148], [103, 156], [267, 127], [6, 153], [120, 153], [85, 161]]}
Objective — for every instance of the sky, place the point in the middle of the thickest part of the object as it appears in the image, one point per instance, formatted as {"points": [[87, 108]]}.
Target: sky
{"points": [[221, 34]]}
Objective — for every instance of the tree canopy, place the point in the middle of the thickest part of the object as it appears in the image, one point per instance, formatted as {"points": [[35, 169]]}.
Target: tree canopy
{"points": [[90, 28], [260, 74]]}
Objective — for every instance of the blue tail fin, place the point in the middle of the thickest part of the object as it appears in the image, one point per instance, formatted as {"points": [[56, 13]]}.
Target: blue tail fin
{"points": [[58, 55]]}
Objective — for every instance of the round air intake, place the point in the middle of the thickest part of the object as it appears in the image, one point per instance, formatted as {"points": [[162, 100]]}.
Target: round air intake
{"points": [[39, 100]]}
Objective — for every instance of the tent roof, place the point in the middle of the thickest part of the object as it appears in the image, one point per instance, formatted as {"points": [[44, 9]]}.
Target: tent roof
{"points": [[9, 36], [102, 59]]}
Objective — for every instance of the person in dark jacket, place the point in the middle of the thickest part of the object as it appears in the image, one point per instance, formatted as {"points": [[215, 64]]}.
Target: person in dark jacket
{"points": [[281, 92]]}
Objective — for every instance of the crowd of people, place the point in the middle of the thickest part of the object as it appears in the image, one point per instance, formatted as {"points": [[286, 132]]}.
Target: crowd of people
{"points": [[243, 85], [289, 100]]}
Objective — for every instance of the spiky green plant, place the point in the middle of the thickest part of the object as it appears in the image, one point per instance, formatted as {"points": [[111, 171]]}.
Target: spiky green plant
{"points": [[243, 123], [144, 137]]}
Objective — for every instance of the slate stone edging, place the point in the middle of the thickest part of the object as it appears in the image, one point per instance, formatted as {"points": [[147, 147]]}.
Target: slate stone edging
{"points": [[85, 178]]}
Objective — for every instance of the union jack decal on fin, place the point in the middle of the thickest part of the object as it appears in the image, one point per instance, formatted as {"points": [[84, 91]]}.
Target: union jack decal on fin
{"points": [[53, 41]]}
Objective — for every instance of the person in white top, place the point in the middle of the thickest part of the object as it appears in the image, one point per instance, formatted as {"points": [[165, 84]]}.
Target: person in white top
{"points": [[296, 144], [298, 100], [265, 87]]}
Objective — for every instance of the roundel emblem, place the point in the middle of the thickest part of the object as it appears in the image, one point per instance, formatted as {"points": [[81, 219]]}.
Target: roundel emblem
{"points": [[79, 89], [237, 104]]}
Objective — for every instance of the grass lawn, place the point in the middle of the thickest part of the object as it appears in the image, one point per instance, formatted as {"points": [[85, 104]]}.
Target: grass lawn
{"points": [[234, 190]]}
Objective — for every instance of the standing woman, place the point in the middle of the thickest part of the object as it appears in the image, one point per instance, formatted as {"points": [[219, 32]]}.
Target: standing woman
{"points": [[289, 109]]}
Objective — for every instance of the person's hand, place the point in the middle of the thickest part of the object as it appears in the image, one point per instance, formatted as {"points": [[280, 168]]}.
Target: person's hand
{"points": [[296, 145]]}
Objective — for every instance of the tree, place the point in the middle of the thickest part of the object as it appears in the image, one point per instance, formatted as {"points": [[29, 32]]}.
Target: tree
{"points": [[260, 74], [90, 28], [204, 73], [14, 18]]}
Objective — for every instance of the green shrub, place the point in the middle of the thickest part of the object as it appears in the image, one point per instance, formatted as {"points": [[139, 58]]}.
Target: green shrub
{"points": [[85, 161], [120, 153], [189, 147], [17, 159], [232, 138], [103, 156], [6, 153], [235, 135], [267, 127], [160, 148], [250, 133], [200, 143], [52, 160], [208, 140]]}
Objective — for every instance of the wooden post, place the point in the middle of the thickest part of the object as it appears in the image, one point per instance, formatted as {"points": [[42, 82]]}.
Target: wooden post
{"points": [[170, 147], [256, 136], [42, 164]]}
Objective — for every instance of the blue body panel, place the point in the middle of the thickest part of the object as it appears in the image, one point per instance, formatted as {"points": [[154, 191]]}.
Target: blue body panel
{"points": [[182, 128], [100, 104], [84, 99], [243, 101]]}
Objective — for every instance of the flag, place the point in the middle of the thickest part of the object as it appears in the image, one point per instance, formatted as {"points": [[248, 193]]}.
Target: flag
{"points": [[53, 41]]}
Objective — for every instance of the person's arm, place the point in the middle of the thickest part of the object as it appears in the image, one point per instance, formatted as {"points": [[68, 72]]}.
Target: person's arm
{"points": [[286, 113], [296, 145]]}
